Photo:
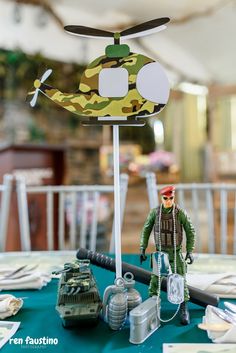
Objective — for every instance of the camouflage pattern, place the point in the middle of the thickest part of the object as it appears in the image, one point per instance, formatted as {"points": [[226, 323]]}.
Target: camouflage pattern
{"points": [[87, 101], [78, 284], [75, 266], [78, 298]]}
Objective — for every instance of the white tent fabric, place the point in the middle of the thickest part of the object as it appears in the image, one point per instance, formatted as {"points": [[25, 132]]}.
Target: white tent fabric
{"points": [[201, 50]]}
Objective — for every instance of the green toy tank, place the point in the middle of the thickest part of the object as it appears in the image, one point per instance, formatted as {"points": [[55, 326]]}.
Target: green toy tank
{"points": [[78, 299]]}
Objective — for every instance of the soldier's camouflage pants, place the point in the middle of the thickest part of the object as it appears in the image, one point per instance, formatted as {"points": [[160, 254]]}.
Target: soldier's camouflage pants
{"points": [[181, 270]]}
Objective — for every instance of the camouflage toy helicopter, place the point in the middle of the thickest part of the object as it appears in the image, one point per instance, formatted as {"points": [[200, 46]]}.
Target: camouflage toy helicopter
{"points": [[118, 88], [78, 299]]}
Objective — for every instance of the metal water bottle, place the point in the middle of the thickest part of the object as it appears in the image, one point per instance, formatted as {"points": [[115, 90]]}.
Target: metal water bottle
{"points": [[115, 304], [133, 296]]}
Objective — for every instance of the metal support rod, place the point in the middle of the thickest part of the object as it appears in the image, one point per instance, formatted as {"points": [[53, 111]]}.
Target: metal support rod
{"points": [[116, 165]]}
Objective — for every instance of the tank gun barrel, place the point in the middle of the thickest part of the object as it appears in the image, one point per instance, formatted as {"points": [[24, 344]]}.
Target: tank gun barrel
{"points": [[63, 270]]}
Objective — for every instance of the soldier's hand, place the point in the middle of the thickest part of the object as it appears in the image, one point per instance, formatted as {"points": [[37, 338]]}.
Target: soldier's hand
{"points": [[189, 256], [143, 257]]}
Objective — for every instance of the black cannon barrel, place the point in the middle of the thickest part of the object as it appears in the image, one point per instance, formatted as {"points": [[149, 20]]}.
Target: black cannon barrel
{"points": [[197, 296]]}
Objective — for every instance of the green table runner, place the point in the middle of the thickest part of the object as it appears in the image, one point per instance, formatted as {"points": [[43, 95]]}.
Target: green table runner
{"points": [[39, 319]]}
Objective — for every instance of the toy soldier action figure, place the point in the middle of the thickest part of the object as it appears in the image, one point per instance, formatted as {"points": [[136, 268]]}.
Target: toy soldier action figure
{"points": [[162, 218]]}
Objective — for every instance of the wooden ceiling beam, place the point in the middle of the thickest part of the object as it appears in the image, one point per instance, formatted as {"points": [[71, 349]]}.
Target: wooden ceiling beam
{"points": [[221, 90], [46, 6]]}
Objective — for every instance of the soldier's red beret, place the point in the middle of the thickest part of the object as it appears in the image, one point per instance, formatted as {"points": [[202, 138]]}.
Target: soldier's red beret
{"points": [[168, 190]]}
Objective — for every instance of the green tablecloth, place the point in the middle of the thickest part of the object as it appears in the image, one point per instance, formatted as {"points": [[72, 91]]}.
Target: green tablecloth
{"points": [[39, 318]]}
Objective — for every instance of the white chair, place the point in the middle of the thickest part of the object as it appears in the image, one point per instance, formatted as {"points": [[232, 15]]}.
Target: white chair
{"points": [[68, 195], [212, 208], [5, 190]]}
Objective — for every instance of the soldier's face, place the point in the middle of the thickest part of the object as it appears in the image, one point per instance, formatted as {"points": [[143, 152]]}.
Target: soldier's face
{"points": [[168, 201]]}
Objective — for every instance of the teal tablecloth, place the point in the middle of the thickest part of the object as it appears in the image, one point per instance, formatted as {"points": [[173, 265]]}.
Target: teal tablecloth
{"points": [[39, 318]]}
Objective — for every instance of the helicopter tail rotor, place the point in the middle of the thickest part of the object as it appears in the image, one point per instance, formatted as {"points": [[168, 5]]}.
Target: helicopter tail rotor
{"points": [[37, 84]]}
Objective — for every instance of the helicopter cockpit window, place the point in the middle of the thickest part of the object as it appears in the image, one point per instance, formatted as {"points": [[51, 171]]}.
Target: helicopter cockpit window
{"points": [[152, 83], [113, 82]]}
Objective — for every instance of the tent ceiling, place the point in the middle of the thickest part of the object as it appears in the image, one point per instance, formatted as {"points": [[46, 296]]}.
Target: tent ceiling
{"points": [[201, 49]]}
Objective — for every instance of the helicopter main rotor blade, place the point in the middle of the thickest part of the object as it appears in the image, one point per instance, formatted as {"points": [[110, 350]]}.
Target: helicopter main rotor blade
{"points": [[136, 31], [149, 27], [88, 31]]}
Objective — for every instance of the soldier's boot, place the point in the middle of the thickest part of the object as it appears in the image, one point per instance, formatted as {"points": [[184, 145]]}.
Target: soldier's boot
{"points": [[184, 314]]}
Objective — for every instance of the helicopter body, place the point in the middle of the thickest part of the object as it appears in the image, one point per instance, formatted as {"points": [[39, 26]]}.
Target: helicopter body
{"points": [[118, 87], [89, 103]]}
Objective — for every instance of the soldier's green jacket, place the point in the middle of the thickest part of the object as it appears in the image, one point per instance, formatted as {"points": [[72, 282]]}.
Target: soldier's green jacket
{"points": [[182, 217]]}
